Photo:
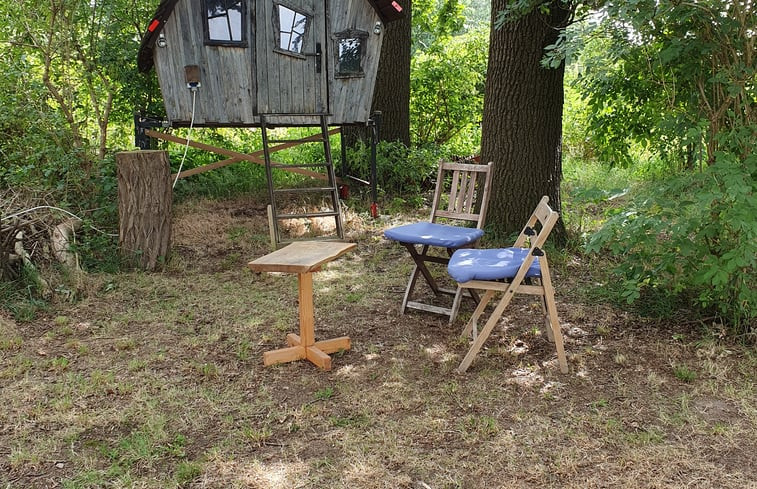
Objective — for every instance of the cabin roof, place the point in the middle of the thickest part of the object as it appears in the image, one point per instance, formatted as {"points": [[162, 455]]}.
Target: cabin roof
{"points": [[388, 10]]}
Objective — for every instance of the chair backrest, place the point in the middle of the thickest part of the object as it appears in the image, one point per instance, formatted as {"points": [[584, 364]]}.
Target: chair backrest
{"points": [[533, 236], [462, 192]]}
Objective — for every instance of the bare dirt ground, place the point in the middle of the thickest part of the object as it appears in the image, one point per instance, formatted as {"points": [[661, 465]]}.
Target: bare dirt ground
{"points": [[156, 380]]}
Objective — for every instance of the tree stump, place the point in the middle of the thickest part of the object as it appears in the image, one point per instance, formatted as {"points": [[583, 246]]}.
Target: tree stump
{"points": [[144, 207]]}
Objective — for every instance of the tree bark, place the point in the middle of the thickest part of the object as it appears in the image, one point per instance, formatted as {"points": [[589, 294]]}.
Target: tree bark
{"points": [[144, 207], [522, 120], [392, 93]]}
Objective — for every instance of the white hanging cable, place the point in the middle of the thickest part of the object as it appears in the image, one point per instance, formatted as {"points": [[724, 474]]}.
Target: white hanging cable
{"points": [[189, 135]]}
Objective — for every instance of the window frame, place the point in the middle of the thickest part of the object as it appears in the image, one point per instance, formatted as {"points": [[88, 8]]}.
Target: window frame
{"points": [[362, 37], [242, 43], [310, 18]]}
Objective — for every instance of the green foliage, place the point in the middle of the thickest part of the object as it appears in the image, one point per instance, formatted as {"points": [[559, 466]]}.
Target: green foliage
{"points": [[448, 67], [477, 13], [83, 53], [63, 64], [37, 146], [576, 138], [434, 20], [447, 90], [236, 179], [21, 297], [400, 170], [670, 77], [324, 394], [671, 84], [692, 234]]}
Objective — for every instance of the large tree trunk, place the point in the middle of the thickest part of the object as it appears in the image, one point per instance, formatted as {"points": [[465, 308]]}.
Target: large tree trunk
{"points": [[522, 121], [144, 207], [392, 93]]}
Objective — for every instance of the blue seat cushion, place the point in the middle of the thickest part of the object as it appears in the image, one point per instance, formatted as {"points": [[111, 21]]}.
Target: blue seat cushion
{"points": [[433, 234], [490, 264]]}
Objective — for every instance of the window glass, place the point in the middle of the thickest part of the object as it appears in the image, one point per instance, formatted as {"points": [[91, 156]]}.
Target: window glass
{"points": [[292, 28], [225, 20], [350, 49], [350, 55]]}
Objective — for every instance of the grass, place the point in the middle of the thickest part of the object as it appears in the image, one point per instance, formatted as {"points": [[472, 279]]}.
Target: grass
{"points": [[156, 381]]}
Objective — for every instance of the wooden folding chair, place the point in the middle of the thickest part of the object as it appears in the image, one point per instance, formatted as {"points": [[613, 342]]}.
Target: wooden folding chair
{"points": [[522, 269], [460, 198]]}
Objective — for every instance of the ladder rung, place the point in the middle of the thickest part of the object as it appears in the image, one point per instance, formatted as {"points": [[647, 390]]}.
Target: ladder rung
{"points": [[299, 165], [303, 189], [307, 214], [311, 139]]}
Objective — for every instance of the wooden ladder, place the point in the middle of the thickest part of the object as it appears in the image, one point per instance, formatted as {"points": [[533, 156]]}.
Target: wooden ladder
{"points": [[329, 188]]}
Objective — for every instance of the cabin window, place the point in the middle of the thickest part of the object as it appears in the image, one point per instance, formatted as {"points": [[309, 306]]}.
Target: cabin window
{"points": [[225, 22], [292, 27], [350, 47]]}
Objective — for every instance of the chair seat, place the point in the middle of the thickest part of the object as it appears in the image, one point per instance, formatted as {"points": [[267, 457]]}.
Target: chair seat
{"points": [[433, 234], [490, 264]]}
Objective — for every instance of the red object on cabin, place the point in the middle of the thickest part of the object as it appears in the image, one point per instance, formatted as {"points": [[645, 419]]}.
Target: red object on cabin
{"points": [[389, 10], [153, 25]]}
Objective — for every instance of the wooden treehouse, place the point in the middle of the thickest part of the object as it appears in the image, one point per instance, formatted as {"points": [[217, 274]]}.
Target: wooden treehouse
{"points": [[267, 63]]}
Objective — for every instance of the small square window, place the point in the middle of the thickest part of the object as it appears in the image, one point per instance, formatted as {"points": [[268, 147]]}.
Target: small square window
{"points": [[292, 27], [350, 46], [225, 22]]}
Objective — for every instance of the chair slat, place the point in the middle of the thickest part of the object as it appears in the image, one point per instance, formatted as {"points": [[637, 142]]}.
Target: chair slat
{"points": [[464, 216], [462, 192], [472, 167], [470, 195], [454, 188]]}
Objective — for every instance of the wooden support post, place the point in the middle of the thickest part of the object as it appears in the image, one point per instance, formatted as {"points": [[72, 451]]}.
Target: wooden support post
{"points": [[144, 207]]}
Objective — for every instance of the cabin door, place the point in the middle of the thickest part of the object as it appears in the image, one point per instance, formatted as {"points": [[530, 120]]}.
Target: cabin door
{"points": [[291, 51]]}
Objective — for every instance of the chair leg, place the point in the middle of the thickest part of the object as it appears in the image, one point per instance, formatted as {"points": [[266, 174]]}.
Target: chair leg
{"points": [[409, 289], [472, 327], [459, 293], [547, 321], [419, 269], [456, 304], [420, 263], [549, 301], [490, 323], [556, 333]]}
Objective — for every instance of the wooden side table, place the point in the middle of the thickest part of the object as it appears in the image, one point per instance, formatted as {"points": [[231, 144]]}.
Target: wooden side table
{"points": [[304, 258]]}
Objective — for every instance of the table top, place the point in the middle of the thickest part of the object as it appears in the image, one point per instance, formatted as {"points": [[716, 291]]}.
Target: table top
{"points": [[300, 256]]}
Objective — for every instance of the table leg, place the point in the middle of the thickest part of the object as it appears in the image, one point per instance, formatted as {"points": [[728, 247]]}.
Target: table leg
{"points": [[307, 334], [304, 346]]}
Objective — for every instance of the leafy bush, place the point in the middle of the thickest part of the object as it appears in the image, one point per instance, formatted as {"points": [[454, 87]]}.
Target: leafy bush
{"points": [[693, 234], [400, 170], [577, 141], [447, 90], [667, 76]]}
